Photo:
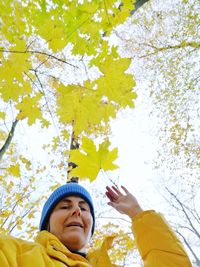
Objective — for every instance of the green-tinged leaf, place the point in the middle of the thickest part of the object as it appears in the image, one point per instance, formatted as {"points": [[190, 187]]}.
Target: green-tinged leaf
{"points": [[90, 159]]}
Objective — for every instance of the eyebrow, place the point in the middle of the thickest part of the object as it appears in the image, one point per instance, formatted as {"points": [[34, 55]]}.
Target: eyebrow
{"points": [[66, 200]]}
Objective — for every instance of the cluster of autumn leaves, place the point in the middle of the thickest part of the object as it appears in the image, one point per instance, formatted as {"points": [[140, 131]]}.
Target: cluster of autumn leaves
{"points": [[33, 62], [32, 48]]}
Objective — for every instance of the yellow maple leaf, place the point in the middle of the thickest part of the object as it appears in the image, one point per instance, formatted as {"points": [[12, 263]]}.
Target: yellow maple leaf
{"points": [[13, 80], [65, 134], [14, 170], [107, 157], [30, 215], [29, 108], [45, 123], [53, 31], [81, 102], [115, 83], [100, 257], [18, 197], [12, 90], [2, 115], [26, 162], [5, 214], [90, 160]]}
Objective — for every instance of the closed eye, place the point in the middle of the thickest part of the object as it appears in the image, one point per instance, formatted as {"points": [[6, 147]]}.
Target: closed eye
{"points": [[84, 209], [68, 207], [65, 207]]}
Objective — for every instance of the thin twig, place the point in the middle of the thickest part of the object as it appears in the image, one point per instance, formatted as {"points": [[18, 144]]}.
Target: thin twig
{"points": [[183, 208], [38, 52], [189, 247]]}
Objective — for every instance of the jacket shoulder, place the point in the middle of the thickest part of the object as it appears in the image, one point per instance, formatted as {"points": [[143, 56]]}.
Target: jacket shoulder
{"points": [[8, 243]]}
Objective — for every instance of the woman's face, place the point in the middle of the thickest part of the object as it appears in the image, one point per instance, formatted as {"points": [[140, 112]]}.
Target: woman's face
{"points": [[71, 222]]}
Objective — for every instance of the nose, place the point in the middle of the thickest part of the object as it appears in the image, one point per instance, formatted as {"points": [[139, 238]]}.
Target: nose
{"points": [[76, 211]]}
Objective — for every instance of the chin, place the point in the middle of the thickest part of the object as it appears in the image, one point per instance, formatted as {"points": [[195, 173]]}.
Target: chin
{"points": [[73, 242], [75, 247]]}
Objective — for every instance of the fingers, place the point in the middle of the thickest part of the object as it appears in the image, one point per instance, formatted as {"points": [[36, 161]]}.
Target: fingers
{"points": [[117, 191], [125, 189], [111, 194], [109, 197]]}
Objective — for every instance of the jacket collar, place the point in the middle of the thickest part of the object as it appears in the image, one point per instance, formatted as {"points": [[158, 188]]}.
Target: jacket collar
{"points": [[54, 248]]}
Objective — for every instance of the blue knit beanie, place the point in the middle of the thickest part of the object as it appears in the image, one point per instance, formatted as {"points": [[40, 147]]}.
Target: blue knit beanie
{"points": [[68, 189]]}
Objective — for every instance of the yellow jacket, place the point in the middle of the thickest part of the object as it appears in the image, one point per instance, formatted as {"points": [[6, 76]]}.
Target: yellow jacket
{"points": [[158, 246]]}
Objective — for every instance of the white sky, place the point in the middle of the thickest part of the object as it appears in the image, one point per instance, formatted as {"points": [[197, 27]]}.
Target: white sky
{"points": [[132, 134]]}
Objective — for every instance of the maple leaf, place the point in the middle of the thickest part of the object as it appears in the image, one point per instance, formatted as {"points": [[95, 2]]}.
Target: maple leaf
{"points": [[90, 160], [14, 170], [13, 84], [100, 257], [115, 83], [81, 102], [29, 108], [5, 213], [26, 162], [45, 123], [12, 90], [53, 31]]}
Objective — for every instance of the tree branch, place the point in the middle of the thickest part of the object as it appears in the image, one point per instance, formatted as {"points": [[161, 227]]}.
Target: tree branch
{"points": [[183, 44], [138, 4], [38, 52], [190, 248], [22, 217], [9, 139], [183, 208]]}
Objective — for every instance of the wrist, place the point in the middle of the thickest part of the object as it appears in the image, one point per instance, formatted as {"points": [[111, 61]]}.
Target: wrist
{"points": [[133, 212]]}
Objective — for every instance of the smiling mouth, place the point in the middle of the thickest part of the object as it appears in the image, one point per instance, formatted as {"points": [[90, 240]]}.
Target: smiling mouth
{"points": [[75, 225]]}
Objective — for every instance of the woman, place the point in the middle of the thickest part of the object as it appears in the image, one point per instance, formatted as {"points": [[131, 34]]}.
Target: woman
{"points": [[68, 222]]}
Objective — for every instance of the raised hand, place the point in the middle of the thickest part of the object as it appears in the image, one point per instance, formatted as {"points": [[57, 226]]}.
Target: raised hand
{"points": [[124, 203]]}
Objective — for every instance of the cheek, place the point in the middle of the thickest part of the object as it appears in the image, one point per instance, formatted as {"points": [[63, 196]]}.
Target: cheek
{"points": [[52, 222], [89, 222], [56, 219]]}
